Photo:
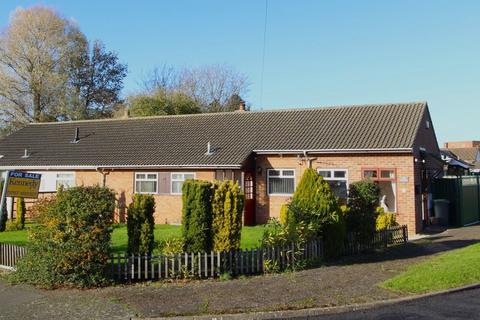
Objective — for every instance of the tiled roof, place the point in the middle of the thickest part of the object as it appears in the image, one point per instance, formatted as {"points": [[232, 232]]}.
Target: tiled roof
{"points": [[466, 154], [182, 140]]}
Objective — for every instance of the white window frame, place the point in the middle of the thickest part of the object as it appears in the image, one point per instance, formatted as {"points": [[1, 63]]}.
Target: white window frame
{"points": [[281, 176], [73, 179], [145, 179], [178, 180], [332, 173]]}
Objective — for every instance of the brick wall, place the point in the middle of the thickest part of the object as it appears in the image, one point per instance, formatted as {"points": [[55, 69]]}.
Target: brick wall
{"points": [[269, 206], [168, 207]]}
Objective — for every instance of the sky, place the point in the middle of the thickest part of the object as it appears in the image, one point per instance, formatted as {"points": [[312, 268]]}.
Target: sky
{"points": [[317, 53]]}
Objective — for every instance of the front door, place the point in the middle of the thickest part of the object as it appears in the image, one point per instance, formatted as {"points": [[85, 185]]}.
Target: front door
{"points": [[249, 189]]}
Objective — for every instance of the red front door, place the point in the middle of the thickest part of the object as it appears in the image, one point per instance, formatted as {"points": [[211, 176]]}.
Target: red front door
{"points": [[249, 211]]}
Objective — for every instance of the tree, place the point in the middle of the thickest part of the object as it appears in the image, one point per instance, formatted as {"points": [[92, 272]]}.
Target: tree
{"points": [[161, 102], [141, 224], [96, 79], [213, 88], [35, 50]]}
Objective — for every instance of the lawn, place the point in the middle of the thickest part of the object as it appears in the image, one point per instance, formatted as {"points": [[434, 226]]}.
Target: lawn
{"points": [[251, 236], [449, 270]]}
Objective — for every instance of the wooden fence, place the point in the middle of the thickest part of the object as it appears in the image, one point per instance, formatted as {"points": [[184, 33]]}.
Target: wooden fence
{"points": [[212, 264], [380, 240], [10, 254]]}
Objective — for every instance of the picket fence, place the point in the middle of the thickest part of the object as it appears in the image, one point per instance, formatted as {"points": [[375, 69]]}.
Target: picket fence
{"points": [[124, 268], [241, 262], [213, 264], [10, 254], [380, 240]]}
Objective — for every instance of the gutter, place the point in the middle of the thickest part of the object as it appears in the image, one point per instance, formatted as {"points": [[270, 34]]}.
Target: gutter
{"points": [[333, 151], [131, 167]]}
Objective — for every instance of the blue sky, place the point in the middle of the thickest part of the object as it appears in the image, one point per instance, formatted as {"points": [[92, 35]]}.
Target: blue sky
{"points": [[317, 52]]}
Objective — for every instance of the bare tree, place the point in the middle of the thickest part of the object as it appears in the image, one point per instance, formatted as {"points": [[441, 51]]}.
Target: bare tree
{"points": [[34, 52], [211, 87]]}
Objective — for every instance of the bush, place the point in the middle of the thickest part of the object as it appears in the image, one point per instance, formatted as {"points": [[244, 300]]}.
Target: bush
{"points": [[385, 219], [171, 246], [313, 211], [197, 215], [71, 244], [21, 210], [227, 209], [141, 224], [362, 203], [284, 212], [40, 206]]}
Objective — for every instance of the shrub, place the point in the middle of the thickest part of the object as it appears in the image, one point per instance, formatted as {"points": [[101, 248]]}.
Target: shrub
{"points": [[40, 206], [21, 210], [227, 209], [284, 213], [197, 215], [313, 211], [362, 203], [313, 201], [385, 219], [171, 246], [71, 244], [141, 224]]}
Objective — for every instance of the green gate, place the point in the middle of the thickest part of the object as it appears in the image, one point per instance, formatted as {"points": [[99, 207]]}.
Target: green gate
{"points": [[464, 196]]}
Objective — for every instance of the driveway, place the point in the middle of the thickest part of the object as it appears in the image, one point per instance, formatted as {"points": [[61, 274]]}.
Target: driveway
{"points": [[350, 281]]}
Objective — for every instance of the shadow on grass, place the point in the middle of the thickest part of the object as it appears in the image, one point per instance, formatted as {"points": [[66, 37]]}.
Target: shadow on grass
{"points": [[419, 248]]}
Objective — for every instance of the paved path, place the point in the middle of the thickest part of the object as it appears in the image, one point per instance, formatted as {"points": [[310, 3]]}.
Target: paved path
{"points": [[459, 305]]}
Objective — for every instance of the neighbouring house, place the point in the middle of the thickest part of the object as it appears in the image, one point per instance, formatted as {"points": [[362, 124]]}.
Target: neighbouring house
{"points": [[265, 151], [465, 151]]}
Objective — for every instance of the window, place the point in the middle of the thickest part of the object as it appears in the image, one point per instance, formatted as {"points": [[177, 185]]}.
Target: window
{"points": [[65, 180], [338, 181], [387, 181], [178, 179], [281, 181], [146, 183]]}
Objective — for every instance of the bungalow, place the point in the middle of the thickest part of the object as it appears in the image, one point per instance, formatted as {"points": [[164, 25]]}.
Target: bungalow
{"points": [[265, 151]]}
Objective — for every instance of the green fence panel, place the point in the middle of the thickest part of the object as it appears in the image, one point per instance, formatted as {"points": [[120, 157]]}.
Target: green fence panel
{"points": [[469, 200]]}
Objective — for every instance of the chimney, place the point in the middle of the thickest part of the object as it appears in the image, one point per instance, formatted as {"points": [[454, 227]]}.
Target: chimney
{"points": [[76, 139], [241, 107], [209, 149]]}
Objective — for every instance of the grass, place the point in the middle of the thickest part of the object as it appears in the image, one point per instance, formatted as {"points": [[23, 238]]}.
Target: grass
{"points": [[251, 236], [449, 270]]}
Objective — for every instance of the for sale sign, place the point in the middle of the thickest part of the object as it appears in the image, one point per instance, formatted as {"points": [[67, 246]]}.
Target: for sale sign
{"points": [[23, 184]]}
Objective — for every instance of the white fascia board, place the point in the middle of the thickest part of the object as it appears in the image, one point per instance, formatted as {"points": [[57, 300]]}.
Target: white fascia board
{"points": [[23, 167], [331, 151]]}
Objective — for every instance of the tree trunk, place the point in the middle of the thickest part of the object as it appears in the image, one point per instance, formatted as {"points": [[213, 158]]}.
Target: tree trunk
{"points": [[36, 107]]}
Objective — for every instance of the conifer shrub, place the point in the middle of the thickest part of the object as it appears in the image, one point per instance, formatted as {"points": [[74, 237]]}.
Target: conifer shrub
{"points": [[227, 209], [312, 212], [141, 224], [197, 215], [70, 246], [363, 199], [21, 211]]}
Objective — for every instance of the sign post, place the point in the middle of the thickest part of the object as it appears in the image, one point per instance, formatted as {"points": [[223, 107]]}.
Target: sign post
{"points": [[4, 196], [21, 185]]}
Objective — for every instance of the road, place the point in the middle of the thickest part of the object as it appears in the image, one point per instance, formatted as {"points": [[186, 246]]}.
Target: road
{"points": [[459, 305]]}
